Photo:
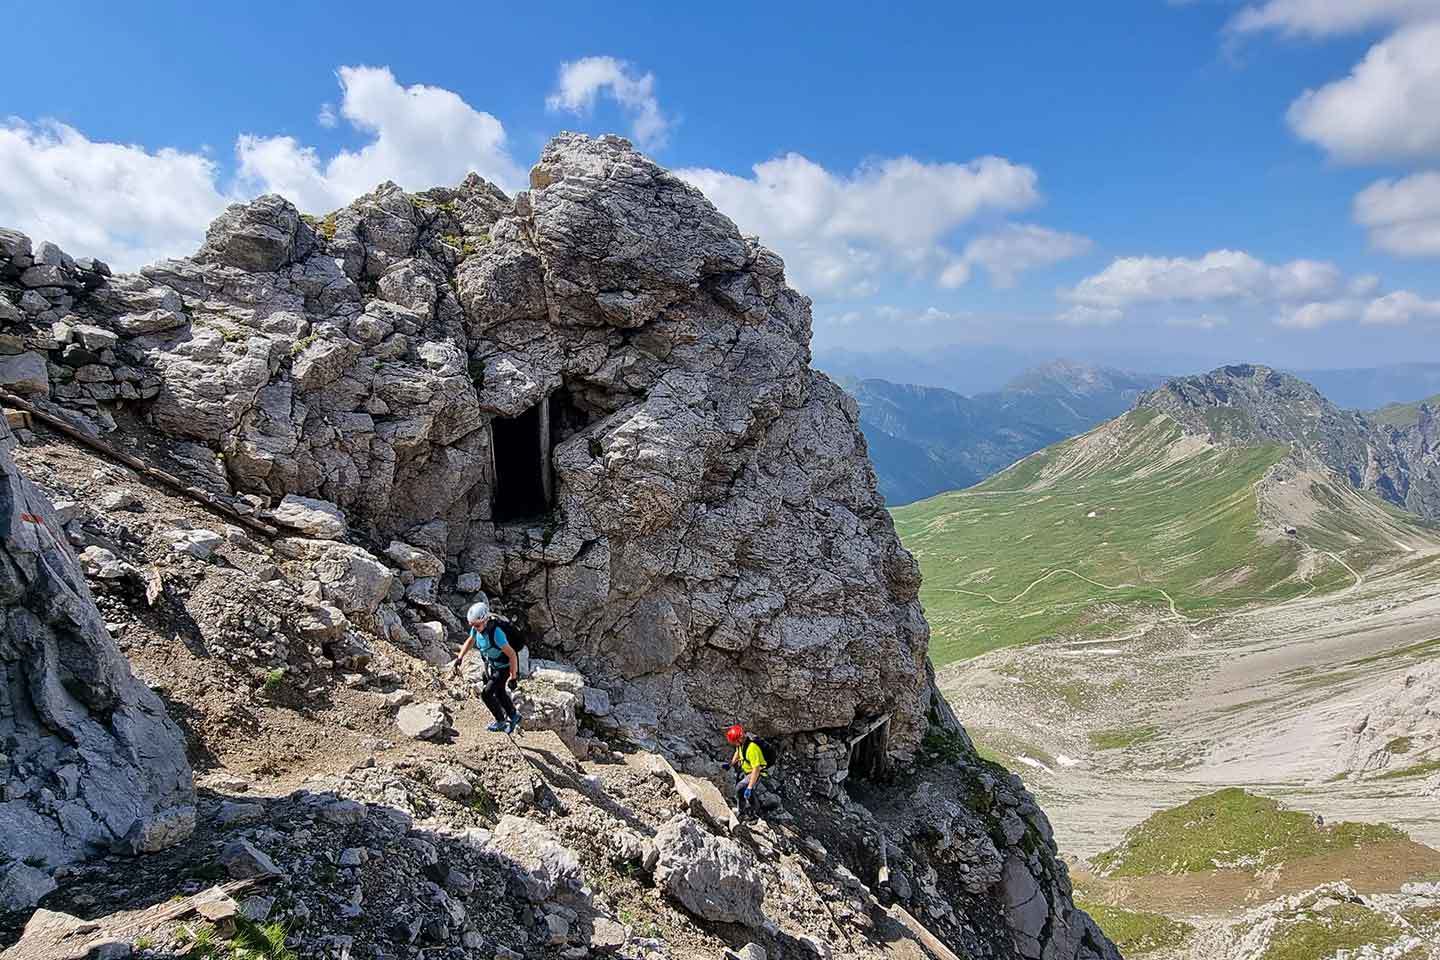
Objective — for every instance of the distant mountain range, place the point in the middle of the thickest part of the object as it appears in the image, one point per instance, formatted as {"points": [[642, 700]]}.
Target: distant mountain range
{"points": [[1375, 387], [1250, 404], [926, 440]]}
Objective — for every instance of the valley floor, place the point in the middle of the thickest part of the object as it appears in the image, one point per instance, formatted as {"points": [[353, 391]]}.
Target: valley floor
{"points": [[1323, 702]]}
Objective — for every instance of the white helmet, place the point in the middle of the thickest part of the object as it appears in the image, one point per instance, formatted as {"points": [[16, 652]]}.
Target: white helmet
{"points": [[479, 610]]}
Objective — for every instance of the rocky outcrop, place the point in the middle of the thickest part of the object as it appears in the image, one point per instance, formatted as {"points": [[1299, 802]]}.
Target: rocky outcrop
{"points": [[91, 762], [1247, 403], [594, 397]]}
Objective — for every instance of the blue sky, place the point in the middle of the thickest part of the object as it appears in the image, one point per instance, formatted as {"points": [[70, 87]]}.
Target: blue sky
{"points": [[1137, 180]]}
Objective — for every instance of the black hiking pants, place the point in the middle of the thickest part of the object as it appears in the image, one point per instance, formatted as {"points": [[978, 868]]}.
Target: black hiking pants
{"points": [[496, 697]]}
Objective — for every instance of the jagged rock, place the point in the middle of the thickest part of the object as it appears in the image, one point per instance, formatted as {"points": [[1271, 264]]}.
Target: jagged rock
{"points": [[234, 814], [451, 783], [25, 373], [424, 721], [199, 544], [242, 860], [22, 886], [69, 699], [545, 864], [713, 877], [421, 563], [607, 936], [50, 935], [317, 519]]}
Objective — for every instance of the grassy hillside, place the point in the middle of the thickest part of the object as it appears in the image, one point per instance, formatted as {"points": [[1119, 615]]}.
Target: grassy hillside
{"points": [[1402, 414], [1134, 519]]}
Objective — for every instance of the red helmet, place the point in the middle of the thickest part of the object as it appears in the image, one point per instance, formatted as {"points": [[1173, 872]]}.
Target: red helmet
{"points": [[735, 734]]}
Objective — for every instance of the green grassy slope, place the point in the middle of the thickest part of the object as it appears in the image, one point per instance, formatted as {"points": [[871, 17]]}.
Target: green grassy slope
{"points": [[1402, 414], [1133, 505]]}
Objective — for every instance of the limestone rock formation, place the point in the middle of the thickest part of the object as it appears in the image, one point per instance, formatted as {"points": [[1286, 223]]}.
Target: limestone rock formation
{"points": [[713, 877], [91, 762], [596, 397], [1248, 403]]}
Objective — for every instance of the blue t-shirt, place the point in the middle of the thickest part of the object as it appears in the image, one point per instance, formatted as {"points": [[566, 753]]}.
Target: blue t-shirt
{"points": [[493, 652]]}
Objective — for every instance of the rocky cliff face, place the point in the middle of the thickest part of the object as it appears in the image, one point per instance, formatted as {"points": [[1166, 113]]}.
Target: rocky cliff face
{"points": [[90, 761], [1255, 404], [592, 402], [711, 546]]}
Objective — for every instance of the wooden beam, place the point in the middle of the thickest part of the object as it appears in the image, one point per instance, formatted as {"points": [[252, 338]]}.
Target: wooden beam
{"points": [[176, 485], [902, 916], [869, 728]]}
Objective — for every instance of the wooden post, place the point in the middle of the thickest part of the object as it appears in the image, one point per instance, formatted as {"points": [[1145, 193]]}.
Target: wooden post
{"points": [[547, 473]]}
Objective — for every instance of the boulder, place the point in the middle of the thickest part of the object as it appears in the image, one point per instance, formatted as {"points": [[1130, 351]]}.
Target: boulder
{"points": [[425, 721], [546, 866], [199, 544], [317, 519], [421, 563], [25, 373], [243, 860], [22, 886], [69, 700], [713, 877]]}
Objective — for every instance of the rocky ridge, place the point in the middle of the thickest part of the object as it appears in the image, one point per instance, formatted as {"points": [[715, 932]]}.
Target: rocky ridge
{"points": [[710, 545], [1247, 403]]}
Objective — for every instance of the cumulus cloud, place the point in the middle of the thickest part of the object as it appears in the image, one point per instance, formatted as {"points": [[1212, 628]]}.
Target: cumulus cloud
{"points": [[839, 233], [1202, 321], [132, 205], [890, 317], [1403, 216], [583, 81], [421, 136], [1400, 308], [1313, 316], [120, 202], [1084, 315], [1218, 275], [1006, 252], [1388, 108], [1320, 18]]}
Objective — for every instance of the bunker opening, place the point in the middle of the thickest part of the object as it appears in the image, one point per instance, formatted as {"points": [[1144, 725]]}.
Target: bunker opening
{"points": [[870, 749], [523, 448], [524, 477]]}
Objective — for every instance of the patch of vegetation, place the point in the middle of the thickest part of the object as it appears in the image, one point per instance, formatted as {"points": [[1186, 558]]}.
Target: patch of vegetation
{"points": [[1401, 415], [1346, 926], [327, 227], [274, 680], [482, 803], [1080, 538], [252, 941], [1399, 745], [1414, 770], [463, 244], [1118, 738], [1230, 829], [1136, 932], [299, 346], [943, 746]]}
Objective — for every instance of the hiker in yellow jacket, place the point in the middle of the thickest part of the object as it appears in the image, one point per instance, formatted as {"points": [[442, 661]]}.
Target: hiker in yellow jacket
{"points": [[749, 762]]}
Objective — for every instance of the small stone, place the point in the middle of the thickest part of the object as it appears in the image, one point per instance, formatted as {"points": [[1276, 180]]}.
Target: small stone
{"points": [[607, 936], [559, 929], [353, 856], [398, 698], [199, 544], [319, 519]]}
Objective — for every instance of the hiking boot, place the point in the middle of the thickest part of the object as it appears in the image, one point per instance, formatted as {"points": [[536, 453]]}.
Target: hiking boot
{"points": [[513, 725], [497, 727]]}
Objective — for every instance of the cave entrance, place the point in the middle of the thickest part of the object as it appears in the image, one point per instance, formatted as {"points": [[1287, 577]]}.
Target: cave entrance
{"points": [[524, 478], [870, 749]]}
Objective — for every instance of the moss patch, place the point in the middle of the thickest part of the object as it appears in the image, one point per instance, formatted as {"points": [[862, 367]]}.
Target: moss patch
{"points": [[1118, 738], [1230, 829], [1136, 932], [1414, 770], [1346, 926]]}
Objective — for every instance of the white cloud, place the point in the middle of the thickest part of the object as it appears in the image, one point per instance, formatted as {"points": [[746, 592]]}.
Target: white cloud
{"points": [[1084, 315], [1312, 316], [326, 117], [1399, 308], [421, 137], [119, 202], [1218, 275], [1015, 248], [840, 233], [1388, 108], [1403, 216], [887, 317], [1203, 321], [583, 81], [1318, 18]]}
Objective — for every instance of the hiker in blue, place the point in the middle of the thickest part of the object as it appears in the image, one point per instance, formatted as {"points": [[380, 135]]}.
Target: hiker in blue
{"points": [[500, 666]]}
